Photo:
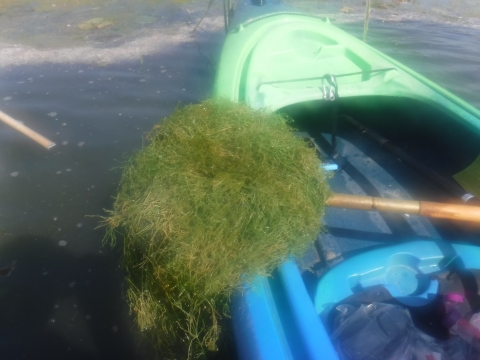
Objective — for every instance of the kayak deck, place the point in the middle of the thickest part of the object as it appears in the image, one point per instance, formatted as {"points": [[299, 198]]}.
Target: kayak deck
{"points": [[284, 58]]}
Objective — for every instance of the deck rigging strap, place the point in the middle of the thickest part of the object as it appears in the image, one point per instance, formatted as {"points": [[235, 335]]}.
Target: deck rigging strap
{"points": [[324, 77], [331, 94], [332, 80]]}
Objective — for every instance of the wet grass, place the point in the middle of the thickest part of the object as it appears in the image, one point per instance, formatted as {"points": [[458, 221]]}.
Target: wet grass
{"points": [[222, 194]]}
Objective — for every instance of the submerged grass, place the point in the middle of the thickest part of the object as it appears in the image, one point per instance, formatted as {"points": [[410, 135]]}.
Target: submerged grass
{"points": [[221, 194]]}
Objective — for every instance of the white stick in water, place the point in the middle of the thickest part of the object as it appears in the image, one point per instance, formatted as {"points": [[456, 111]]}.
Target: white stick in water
{"points": [[17, 125]]}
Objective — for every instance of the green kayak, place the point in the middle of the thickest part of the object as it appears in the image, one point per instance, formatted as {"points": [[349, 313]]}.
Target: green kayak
{"points": [[388, 132], [280, 59]]}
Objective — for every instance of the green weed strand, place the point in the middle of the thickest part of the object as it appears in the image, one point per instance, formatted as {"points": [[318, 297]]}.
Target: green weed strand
{"points": [[222, 193]]}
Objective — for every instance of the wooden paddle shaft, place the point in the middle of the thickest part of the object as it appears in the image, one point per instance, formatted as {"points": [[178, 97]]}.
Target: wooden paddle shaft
{"points": [[17, 125], [422, 208]]}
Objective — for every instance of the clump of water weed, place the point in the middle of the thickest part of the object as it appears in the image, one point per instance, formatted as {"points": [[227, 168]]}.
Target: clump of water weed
{"points": [[221, 194]]}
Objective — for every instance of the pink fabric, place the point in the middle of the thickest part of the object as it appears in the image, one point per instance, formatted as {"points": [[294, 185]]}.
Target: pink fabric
{"points": [[452, 297]]}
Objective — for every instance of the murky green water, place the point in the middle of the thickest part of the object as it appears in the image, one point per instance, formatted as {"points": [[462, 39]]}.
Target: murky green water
{"points": [[96, 92]]}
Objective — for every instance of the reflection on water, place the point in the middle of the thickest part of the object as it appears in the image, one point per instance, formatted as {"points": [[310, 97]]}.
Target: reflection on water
{"points": [[70, 23], [58, 24], [96, 91], [460, 12]]}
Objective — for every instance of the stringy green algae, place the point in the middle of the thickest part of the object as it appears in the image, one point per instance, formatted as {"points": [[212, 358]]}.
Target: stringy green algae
{"points": [[222, 193]]}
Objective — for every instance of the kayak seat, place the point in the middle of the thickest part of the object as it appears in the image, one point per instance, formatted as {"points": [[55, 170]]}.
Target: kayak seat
{"points": [[405, 270]]}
